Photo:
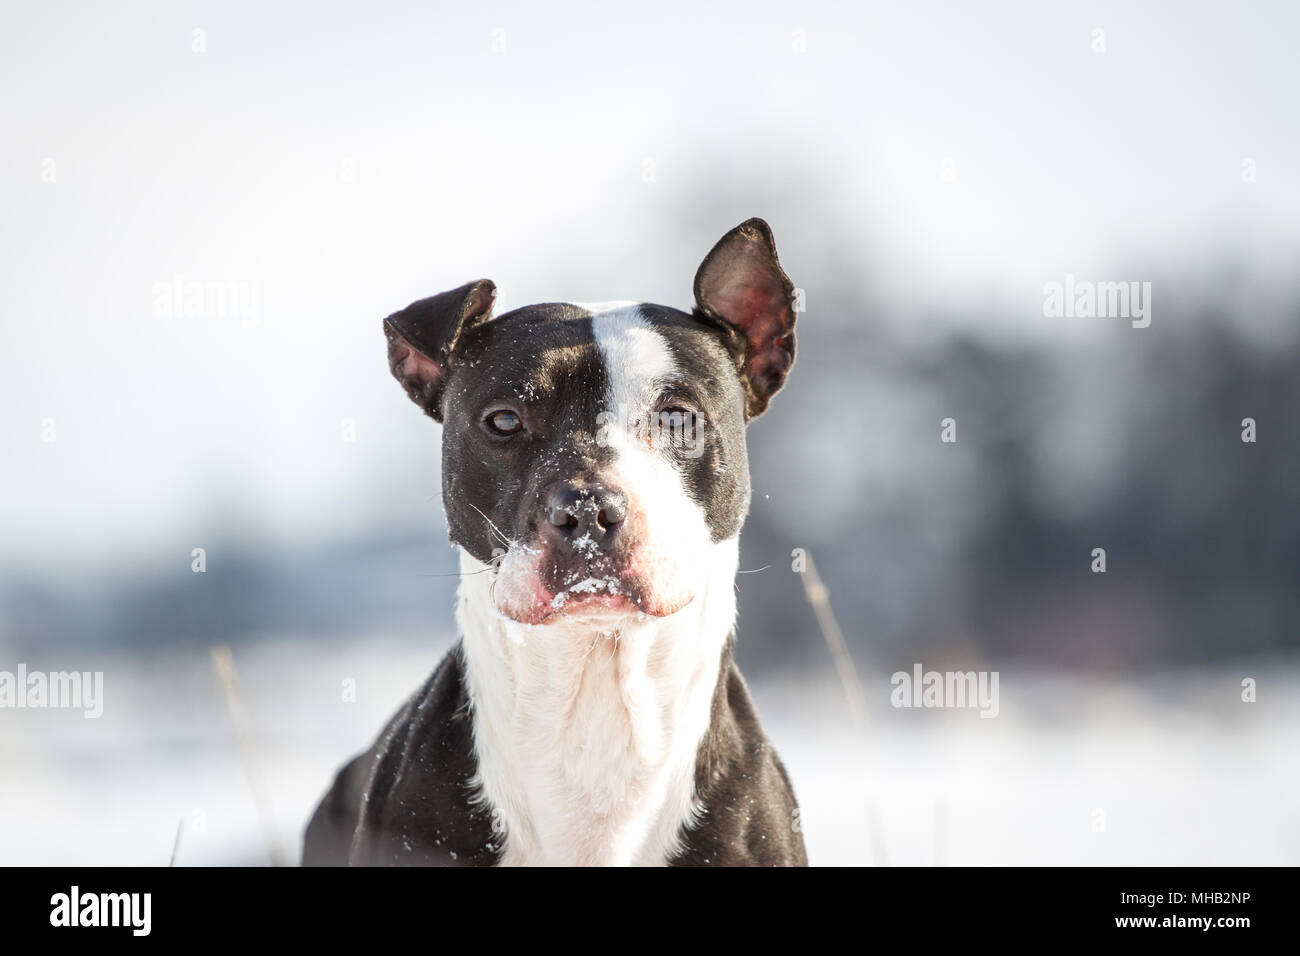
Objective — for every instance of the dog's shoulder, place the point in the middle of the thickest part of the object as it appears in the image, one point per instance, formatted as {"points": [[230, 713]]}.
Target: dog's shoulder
{"points": [[749, 814], [410, 799]]}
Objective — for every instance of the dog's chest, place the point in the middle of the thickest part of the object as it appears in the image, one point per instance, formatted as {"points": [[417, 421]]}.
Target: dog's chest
{"points": [[587, 742]]}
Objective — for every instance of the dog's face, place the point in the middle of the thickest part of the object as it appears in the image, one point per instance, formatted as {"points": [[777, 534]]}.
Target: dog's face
{"points": [[592, 455]]}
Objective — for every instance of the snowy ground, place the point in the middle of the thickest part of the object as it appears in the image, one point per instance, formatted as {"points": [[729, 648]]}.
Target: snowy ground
{"points": [[1171, 771]]}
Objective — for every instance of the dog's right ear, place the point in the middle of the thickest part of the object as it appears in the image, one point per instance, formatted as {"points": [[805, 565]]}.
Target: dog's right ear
{"points": [[422, 339]]}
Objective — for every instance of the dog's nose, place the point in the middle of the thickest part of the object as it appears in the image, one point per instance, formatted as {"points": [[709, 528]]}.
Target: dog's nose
{"points": [[579, 514]]}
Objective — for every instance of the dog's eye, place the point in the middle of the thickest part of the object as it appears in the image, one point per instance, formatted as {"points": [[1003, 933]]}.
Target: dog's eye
{"points": [[504, 422]]}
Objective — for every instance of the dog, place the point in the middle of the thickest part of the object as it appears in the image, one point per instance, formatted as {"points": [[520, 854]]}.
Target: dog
{"points": [[595, 479]]}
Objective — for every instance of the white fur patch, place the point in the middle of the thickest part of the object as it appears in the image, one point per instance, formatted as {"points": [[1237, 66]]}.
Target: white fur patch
{"points": [[587, 739], [637, 363], [636, 356]]}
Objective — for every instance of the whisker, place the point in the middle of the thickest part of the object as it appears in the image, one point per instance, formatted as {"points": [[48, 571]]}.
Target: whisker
{"points": [[500, 534], [455, 574]]}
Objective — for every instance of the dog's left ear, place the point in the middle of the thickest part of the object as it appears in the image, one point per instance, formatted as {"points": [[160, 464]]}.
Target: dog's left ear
{"points": [[422, 339], [741, 284]]}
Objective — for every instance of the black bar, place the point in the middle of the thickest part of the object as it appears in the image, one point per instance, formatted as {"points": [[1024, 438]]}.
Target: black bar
{"points": [[335, 907]]}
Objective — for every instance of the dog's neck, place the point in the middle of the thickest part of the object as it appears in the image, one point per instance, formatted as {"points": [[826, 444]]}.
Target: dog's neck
{"points": [[587, 737]]}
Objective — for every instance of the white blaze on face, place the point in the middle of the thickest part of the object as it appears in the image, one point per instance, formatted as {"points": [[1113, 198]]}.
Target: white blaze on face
{"points": [[669, 525]]}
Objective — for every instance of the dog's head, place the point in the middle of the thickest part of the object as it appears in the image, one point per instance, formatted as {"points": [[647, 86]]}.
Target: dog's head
{"points": [[593, 454]]}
